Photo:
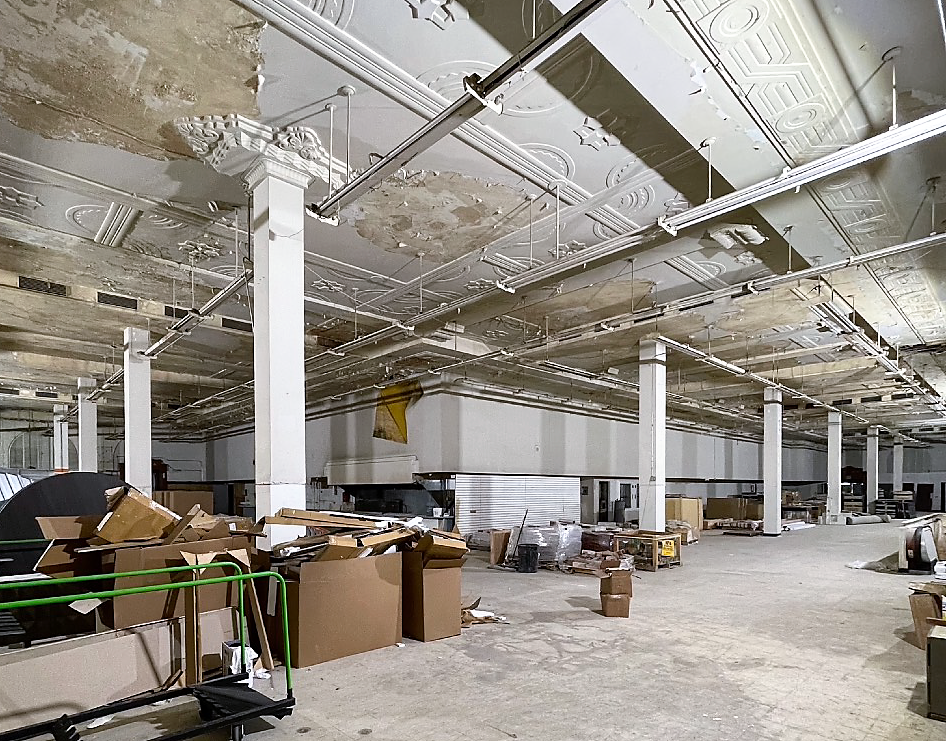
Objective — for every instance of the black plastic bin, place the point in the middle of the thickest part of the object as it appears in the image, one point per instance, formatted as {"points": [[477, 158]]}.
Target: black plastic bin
{"points": [[528, 558]]}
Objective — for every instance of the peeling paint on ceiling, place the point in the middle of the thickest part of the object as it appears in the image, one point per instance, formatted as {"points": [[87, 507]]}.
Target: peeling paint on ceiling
{"points": [[442, 214], [115, 72]]}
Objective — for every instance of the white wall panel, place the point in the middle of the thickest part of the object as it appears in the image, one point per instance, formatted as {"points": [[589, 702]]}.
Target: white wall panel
{"points": [[484, 501]]}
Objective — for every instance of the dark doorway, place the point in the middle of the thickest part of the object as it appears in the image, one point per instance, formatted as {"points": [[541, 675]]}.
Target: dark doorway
{"points": [[924, 497]]}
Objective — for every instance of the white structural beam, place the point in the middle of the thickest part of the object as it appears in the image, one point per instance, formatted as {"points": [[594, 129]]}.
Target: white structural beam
{"points": [[137, 409], [772, 462], [898, 463], [834, 465], [277, 165], [88, 427], [873, 455], [652, 435], [60, 439]]}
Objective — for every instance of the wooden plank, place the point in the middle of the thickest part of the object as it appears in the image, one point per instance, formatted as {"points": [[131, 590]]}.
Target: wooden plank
{"points": [[329, 520]]}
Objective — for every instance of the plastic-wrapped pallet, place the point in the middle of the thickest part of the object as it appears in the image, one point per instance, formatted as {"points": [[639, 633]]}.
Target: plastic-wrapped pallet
{"points": [[556, 542]]}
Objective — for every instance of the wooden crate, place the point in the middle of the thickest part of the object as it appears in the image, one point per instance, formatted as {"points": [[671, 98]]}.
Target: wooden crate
{"points": [[651, 551]]}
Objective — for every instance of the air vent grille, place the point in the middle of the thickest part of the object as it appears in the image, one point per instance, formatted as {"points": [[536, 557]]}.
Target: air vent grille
{"points": [[122, 302], [174, 311], [9, 391], [236, 324], [42, 286], [47, 395]]}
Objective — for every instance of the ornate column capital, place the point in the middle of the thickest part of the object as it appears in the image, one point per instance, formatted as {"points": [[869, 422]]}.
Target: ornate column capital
{"points": [[235, 145]]}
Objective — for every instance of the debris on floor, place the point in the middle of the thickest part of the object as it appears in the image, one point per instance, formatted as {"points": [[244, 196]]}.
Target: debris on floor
{"points": [[472, 615]]}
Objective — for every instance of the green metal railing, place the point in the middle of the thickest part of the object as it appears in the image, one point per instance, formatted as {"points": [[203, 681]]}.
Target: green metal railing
{"points": [[105, 594], [27, 541]]}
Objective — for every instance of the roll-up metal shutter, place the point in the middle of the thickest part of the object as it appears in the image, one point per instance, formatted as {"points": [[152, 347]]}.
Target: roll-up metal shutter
{"points": [[484, 501]]}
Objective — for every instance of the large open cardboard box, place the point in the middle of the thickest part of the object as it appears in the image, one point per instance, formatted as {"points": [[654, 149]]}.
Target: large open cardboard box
{"points": [[431, 597], [134, 609], [344, 607]]}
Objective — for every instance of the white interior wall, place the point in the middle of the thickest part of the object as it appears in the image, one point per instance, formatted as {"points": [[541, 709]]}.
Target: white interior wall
{"points": [[448, 432]]}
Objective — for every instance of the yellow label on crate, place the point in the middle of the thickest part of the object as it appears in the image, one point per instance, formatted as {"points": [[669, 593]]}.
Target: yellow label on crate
{"points": [[667, 549]]}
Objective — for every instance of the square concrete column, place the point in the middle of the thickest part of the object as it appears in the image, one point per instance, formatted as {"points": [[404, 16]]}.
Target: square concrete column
{"points": [[898, 463], [772, 461], [277, 165], [834, 464], [873, 456], [88, 427], [137, 382], [278, 339], [60, 439], [652, 435]]}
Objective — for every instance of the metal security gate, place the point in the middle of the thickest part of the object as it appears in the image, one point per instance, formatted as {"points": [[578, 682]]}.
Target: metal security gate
{"points": [[484, 501]]}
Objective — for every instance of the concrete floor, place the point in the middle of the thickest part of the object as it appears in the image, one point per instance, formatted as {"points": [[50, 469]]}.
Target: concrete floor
{"points": [[753, 638]]}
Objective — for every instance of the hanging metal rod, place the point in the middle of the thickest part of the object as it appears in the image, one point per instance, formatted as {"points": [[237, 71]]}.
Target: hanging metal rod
{"points": [[475, 98]]}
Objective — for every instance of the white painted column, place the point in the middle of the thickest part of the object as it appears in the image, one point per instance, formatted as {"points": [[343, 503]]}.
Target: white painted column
{"points": [[772, 461], [277, 166], [278, 338], [898, 463], [834, 464], [60, 439], [873, 456], [88, 427], [652, 435], [137, 382]]}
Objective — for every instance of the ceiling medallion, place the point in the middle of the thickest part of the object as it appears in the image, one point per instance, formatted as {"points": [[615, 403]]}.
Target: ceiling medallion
{"points": [[557, 159], [442, 13], [198, 251]]}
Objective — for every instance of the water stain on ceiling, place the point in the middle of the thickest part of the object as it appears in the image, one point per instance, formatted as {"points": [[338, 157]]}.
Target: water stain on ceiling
{"points": [[442, 214], [115, 72]]}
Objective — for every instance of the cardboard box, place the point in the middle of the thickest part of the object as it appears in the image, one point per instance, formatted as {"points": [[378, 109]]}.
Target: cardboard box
{"points": [[134, 609], [134, 516], [68, 528], [686, 509], [754, 510], [498, 543], [725, 508], [618, 582], [616, 605], [924, 606], [180, 502], [60, 560], [431, 597], [345, 607]]}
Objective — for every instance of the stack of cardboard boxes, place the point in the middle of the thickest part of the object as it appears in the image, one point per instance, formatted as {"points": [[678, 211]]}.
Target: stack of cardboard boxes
{"points": [[616, 594]]}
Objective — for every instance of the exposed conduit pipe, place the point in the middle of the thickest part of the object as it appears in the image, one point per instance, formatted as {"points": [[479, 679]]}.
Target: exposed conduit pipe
{"points": [[179, 329], [736, 370]]}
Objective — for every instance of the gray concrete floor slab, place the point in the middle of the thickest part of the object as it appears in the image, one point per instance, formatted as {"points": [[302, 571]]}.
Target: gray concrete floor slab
{"points": [[752, 638]]}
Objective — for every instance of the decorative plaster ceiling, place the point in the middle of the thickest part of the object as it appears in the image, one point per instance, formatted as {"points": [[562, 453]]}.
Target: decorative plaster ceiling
{"points": [[608, 134]]}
